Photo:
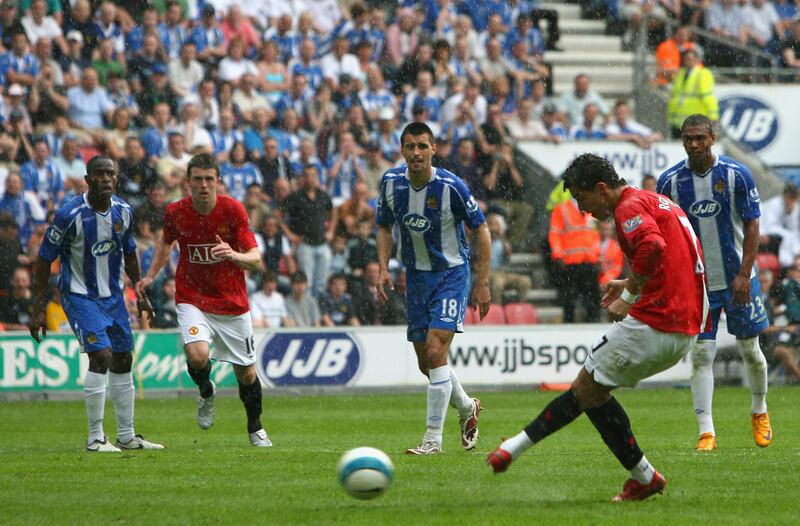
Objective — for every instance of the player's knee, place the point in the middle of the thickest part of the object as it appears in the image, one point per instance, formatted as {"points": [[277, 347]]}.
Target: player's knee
{"points": [[121, 362], [750, 351], [99, 361], [703, 354]]}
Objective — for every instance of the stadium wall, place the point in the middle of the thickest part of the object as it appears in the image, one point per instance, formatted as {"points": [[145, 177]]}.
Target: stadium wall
{"points": [[365, 357]]}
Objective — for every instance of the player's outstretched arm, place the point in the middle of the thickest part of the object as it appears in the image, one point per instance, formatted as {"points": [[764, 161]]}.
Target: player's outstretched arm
{"points": [[385, 242], [41, 273], [480, 294]]}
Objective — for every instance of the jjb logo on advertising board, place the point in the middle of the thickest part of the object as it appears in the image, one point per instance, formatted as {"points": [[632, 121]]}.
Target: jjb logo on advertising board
{"points": [[749, 120], [297, 358]]}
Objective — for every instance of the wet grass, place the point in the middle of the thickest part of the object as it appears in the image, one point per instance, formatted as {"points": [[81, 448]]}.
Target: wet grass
{"points": [[215, 477]]}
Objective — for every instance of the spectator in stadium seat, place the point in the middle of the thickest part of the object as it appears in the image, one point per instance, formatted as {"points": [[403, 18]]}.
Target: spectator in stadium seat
{"points": [[171, 167], [23, 206], [16, 307], [136, 175], [355, 210], [340, 61], [47, 99], [157, 91], [387, 137], [224, 137], [276, 250], [235, 64], [726, 19], [42, 176], [692, 93], [588, 128], [80, 20], [238, 174], [247, 98], [267, 306], [43, 50], [11, 254], [306, 64], [309, 223], [72, 168], [362, 248], [15, 111], [208, 37], [9, 23], [20, 65], [500, 281], [494, 66], [302, 309], [375, 165], [573, 102], [153, 209], [89, 104], [408, 74], [107, 62], [623, 128], [106, 27], [140, 68], [507, 193], [790, 47], [273, 77], [402, 38], [296, 98], [550, 120], [274, 165], [236, 26], [780, 225], [346, 169], [472, 94], [465, 164], [336, 305], [72, 62], [185, 73], [155, 138], [366, 303], [464, 126], [650, 183], [524, 127], [780, 340]]}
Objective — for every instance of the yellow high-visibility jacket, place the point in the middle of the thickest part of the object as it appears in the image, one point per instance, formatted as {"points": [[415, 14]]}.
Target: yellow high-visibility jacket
{"points": [[692, 92]]}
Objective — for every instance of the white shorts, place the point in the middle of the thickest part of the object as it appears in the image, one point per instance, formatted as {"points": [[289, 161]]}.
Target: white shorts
{"points": [[630, 351], [232, 336]]}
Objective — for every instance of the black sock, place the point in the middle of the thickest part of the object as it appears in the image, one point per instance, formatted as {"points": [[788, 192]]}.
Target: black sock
{"points": [[250, 395], [612, 422], [558, 413], [202, 378]]}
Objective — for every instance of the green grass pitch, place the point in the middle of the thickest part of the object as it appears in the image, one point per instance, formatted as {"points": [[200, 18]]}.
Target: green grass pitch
{"points": [[216, 477]]}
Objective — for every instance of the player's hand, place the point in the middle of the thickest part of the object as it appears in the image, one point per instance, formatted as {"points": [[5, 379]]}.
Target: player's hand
{"points": [[38, 321], [222, 250], [385, 280], [612, 291], [143, 305], [481, 298], [618, 309], [741, 290], [142, 285]]}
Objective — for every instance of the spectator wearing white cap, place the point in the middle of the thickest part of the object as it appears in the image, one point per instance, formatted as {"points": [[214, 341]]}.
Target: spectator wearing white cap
{"points": [[14, 110], [72, 62]]}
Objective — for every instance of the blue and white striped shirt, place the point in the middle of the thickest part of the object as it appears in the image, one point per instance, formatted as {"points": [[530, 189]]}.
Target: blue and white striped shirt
{"points": [[717, 203], [238, 178], [91, 245], [430, 220]]}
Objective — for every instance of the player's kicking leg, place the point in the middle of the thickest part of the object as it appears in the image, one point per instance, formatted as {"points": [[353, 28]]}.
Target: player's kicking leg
{"points": [[610, 420]]}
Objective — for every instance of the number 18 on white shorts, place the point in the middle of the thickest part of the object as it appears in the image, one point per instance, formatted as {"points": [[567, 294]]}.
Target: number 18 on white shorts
{"points": [[232, 336]]}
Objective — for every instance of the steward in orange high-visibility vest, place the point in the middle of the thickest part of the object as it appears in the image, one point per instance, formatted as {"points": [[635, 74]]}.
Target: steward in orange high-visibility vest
{"points": [[573, 237]]}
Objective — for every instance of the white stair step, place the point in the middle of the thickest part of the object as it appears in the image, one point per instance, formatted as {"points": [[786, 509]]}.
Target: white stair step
{"points": [[608, 90], [590, 43], [565, 11], [543, 295], [578, 26], [550, 314], [605, 58]]}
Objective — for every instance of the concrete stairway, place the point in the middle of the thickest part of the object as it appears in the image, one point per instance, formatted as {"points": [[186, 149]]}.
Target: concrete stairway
{"points": [[587, 49]]}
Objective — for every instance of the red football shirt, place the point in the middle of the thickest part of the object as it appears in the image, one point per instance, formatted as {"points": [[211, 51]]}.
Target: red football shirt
{"points": [[212, 285], [674, 298]]}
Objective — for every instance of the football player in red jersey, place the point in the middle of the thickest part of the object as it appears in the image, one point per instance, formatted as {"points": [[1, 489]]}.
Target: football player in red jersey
{"points": [[662, 307], [216, 247]]}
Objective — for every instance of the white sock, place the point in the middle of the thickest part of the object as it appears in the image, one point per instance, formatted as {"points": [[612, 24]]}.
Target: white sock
{"points": [[94, 392], [121, 392], [703, 383], [643, 472], [439, 390], [518, 444], [756, 366], [459, 398]]}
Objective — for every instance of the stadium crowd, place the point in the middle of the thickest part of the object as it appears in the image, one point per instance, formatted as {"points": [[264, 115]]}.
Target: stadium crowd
{"points": [[302, 102]]}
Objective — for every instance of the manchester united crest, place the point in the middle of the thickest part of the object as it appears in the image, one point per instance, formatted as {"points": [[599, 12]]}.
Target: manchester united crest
{"points": [[193, 330]]}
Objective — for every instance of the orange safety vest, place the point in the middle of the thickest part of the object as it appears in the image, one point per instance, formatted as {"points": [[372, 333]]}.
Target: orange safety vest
{"points": [[611, 260], [573, 236]]}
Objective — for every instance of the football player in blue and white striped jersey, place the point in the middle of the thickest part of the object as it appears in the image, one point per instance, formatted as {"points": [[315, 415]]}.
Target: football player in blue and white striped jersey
{"points": [[429, 207], [93, 235], [721, 200]]}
